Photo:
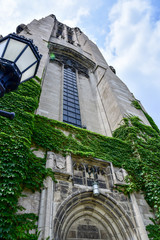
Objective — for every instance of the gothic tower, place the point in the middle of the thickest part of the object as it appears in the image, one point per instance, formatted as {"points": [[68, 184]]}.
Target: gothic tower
{"points": [[79, 88]]}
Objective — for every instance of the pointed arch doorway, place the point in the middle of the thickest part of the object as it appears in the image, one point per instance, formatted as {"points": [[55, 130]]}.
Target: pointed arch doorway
{"points": [[83, 216]]}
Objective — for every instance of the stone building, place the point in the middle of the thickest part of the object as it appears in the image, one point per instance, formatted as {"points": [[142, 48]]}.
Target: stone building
{"points": [[81, 89]]}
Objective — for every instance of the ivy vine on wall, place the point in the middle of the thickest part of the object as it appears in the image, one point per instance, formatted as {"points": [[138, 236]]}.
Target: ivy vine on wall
{"points": [[134, 146], [18, 165], [144, 165]]}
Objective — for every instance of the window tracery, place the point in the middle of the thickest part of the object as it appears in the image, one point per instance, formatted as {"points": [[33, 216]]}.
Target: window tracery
{"points": [[85, 174]]}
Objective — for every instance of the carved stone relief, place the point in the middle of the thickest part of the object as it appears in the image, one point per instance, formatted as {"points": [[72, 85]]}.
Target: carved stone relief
{"points": [[119, 175], [60, 163], [71, 63], [56, 161]]}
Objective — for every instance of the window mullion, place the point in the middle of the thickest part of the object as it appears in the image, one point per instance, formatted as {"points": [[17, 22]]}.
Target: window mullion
{"points": [[71, 112]]}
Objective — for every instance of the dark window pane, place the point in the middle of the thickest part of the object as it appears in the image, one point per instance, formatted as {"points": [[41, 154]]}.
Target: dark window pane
{"points": [[70, 88], [71, 100], [77, 111], [71, 104], [65, 102], [65, 112], [78, 123], [69, 91], [71, 112], [65, 118], [90, 182], [102, 184], [77, 107], [72, 120], [64, 97], [78, 180], [71, 109], [78, 117], [65, 107]]}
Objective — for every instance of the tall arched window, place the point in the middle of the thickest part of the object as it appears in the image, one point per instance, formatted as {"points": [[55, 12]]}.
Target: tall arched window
{"points": [[71, 109]]}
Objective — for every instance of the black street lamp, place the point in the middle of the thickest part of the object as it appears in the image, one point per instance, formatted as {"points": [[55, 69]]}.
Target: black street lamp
{"points": [[19, 61]]}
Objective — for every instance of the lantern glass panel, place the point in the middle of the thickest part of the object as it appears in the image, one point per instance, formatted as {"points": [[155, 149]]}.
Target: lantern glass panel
{"points": [[14, 48], [26, 59], [2, 46], [29, 73], [95, 189]]}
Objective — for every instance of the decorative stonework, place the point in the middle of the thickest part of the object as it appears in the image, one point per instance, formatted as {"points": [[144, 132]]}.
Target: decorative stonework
{"points": [[88, 231], [59, 163], [113, 69], [56, 161], [119, 175], [87, 173], [71, 63], [20, 28], [75, 212], [88, 217], [71, 53]]}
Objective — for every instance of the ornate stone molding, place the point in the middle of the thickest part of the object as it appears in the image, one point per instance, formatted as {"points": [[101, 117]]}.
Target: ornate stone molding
{"points": [[70, 53], [71, 63]]}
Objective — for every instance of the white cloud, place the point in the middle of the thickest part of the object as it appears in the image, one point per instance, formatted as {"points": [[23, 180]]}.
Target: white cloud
{"points": [[133, 41], [8, 9], [76, 20], [15, 12], [132, 47]]}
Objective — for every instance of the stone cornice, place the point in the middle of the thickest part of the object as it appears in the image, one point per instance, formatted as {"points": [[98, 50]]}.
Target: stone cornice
{"points": [[71, 53]]}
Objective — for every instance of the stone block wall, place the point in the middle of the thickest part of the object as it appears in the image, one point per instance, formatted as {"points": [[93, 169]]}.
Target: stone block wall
{"points": [[104, 98], [69, 209]]}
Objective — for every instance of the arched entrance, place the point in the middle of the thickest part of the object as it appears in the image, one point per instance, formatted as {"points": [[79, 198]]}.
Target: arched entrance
{"points": [[83, 216]]}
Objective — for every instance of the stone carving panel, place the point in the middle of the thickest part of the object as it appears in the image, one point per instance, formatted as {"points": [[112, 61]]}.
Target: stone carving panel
{"points": [[88, 231], [56, 161], [119, 176]]}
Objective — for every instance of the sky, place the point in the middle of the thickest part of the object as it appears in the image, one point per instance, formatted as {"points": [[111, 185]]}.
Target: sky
{"points": [[126, 31]]}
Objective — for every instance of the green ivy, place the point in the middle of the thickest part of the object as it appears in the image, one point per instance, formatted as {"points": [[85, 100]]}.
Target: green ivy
{"points": [[136, 104], [144, 166], [18, 165], [49, 135], [134, 146]]}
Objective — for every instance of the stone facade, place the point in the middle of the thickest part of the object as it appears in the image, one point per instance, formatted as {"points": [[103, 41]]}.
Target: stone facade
{"points": [[68, 209]]}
